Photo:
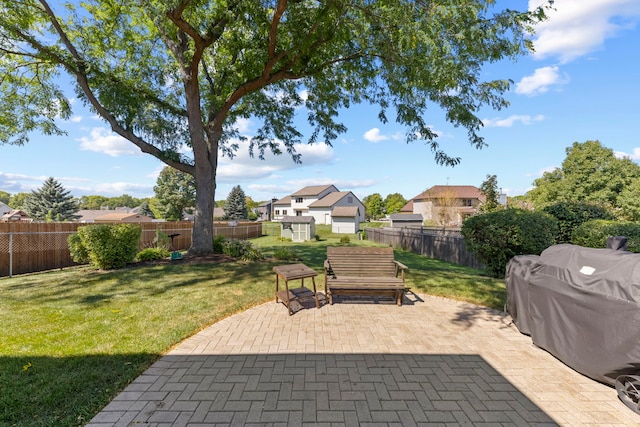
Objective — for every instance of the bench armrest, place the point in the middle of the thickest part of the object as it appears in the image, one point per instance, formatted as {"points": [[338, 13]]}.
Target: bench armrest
{"points": [[400, 267]]}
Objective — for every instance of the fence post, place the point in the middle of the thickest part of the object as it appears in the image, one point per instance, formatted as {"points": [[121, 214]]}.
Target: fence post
{"points": [[10, 254]]}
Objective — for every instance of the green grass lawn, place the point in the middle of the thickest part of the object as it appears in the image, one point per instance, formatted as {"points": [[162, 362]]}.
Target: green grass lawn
{"points": [[72, 339]]}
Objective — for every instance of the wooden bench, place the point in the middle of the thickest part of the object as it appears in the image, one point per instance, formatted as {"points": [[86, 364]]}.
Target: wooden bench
{"points": [[363, 271]]}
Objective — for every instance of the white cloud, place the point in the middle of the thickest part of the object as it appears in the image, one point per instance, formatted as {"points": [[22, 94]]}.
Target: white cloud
{"points": [[540, 81], [75, 119], [120, 188], [244, 167], [577, 27], [635, 155], [102, 140], [510, 121], [374, 135]]}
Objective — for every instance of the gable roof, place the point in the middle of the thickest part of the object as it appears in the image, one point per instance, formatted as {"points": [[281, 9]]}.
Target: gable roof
{"points": [[4, 208], [345, 212], [120, 216], [456, 191], [331, 199], [284, 201], [312, 190]]}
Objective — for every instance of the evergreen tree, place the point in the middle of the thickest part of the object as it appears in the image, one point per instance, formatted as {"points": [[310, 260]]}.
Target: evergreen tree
{"points": [[51, 203], [236, 206], [145, 209]]}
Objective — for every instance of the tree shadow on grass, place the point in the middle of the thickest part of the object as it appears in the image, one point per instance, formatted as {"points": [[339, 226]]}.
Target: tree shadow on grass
{"points": [[63, 391]]}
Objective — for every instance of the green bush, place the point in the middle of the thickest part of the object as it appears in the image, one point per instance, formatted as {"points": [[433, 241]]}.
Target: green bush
{"points": [[571, 215], [242, 249], [594, 234], [218, 244], [78, 251], [110, 246], [496, 237], [284, 254], [152, 254], [345, 240]]}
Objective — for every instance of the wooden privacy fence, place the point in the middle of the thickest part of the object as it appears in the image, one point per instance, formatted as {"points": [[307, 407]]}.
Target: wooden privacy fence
{"points": [[443, 247], [31, 247]]}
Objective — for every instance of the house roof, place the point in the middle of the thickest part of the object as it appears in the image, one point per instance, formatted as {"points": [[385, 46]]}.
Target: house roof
{"points": [[312, 190], [408, 207], [406, 217], [284, 201], [455, 191], [298, 219], [330, 199], [119, 216], [4, 208], [345, 212], [13, 213]]}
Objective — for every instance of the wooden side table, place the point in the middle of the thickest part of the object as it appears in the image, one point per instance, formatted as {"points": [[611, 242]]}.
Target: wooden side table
{"points": [[294, 272]]}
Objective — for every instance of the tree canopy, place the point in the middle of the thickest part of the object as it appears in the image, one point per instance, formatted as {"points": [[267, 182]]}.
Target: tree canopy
{"points": [[374, 206], [175, 192], [489, 188], [173, 77], [51, 202], [590, 173]]}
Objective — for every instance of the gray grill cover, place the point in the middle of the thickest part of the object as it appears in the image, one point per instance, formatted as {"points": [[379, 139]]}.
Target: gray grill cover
{"points": [[582, 305]]}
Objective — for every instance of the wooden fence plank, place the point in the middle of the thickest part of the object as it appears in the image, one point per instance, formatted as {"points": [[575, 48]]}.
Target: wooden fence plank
{"points": [[443, 247], [38, 246]]}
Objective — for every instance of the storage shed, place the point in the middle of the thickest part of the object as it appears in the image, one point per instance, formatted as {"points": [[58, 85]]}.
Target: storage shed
{"points": [[345, 219], [406, 220], [298, 228]]}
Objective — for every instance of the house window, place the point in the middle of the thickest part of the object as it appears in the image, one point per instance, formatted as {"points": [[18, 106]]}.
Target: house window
{"points": [[299, 199], [284, 212], [277, 212], [298, 213], [467, 202], [350, 199]]}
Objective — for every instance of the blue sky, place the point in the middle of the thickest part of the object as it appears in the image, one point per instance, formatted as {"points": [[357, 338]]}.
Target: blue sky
{"points": [[581, 84]]}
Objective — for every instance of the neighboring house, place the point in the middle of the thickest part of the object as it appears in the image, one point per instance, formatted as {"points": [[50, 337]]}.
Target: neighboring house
{"points": [[446, 205], [401, 220], [265, 210], [4, 208], [16, 216], [298, 228], [326, 204], [120, 217]]}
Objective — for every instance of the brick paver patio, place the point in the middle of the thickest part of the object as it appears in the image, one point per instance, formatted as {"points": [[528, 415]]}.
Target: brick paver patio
{"points": [[431, 361]]}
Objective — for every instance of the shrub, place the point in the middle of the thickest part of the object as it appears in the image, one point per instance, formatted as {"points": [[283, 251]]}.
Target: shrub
{"points": [[594, 234], [496, 237], [110, 246], [152, 254], [571, 215], [284, 254], [78, 251], [242, 249], [345, 240], [218, 244]]}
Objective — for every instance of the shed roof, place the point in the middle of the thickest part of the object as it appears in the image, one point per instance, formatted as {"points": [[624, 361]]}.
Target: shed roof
{"points": [[406, 217], [298, 219], [345, 212]]}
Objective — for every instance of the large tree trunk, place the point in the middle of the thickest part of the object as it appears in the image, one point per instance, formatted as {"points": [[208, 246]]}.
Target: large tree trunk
{"points": [[206, 164]]}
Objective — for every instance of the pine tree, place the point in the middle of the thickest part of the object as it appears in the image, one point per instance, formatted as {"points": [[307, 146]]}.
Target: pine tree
{"points": [[51, 202], [236, 206]]}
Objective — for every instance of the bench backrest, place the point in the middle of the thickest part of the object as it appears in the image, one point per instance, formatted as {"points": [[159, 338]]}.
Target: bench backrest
{"points": [[361, 261]]}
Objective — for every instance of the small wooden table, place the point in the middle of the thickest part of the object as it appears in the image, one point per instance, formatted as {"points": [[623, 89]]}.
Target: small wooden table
{"points": [[294, 272]]}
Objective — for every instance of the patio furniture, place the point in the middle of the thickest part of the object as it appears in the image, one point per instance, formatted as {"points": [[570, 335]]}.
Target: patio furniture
{"points": [[363, 271], [293, 297], [580, 304]]}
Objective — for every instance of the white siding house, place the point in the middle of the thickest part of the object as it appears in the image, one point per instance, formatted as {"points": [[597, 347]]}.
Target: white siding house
{"points": [[345, 219]]}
